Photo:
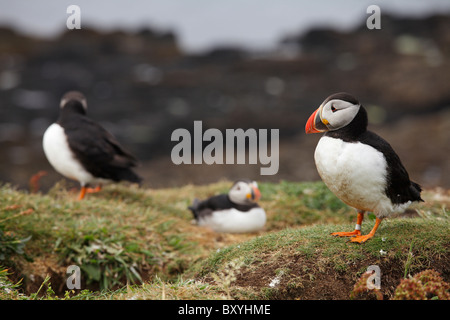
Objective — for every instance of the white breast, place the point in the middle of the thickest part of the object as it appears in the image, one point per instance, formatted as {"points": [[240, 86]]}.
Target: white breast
{"points": [[356, 173], [234, 221], [61, 157]]}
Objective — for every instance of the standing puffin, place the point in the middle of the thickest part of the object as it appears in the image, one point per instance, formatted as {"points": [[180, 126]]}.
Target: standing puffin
{"points": [[357, 165], [82, 150], [235, 212]]}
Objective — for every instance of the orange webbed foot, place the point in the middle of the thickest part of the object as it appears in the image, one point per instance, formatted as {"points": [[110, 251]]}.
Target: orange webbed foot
{"points": [[356, 232], [94, 190], [347, 234], [361, 239]]}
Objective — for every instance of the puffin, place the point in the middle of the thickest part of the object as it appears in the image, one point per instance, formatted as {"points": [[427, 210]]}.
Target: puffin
{"points": [[357, 165], [235, 212], [81, 149]]}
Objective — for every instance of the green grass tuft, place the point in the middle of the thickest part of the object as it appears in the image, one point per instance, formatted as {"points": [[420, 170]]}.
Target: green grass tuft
{"points": [[137, 243]]}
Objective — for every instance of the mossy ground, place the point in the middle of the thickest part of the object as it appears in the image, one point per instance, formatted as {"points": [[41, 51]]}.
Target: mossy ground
{"points": [[139, 243]]}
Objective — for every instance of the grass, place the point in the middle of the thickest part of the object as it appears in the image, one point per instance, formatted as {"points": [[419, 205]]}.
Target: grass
{"points": [[311, 249], [137, 243]]}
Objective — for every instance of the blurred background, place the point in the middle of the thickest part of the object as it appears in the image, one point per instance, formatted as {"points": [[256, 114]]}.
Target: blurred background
{"points": [[150, 67]]}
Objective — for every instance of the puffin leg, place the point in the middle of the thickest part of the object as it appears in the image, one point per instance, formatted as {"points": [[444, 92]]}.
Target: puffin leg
{"points": [[356, 232], [85, 190], [34, 181], [361, 239], [82, 192]]}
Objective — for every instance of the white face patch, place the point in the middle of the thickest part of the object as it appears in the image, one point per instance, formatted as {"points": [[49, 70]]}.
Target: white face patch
{"points": [[63, 103], [338, 113], [238, 193], [84, 103], [78, 97]]}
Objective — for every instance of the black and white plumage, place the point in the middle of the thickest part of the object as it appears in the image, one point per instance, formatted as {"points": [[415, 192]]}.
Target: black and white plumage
{"points": [[82, 150], [357, 165], [235, 212]]}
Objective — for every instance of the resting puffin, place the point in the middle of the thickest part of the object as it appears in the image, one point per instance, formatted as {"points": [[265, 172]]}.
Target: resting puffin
{"points": [[235, 212], [82, 150], [357, 165]]}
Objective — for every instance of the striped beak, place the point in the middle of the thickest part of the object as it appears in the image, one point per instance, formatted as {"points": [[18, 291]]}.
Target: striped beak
{"points": [[315, 122], [255, 194]]}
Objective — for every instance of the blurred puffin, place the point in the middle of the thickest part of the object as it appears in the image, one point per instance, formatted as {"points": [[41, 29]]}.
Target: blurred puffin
{"points": [[235, 212], [357, 165], [82, 150]]}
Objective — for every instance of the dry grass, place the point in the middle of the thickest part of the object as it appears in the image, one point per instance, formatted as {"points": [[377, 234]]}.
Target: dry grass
{"points": [[124, 229]]}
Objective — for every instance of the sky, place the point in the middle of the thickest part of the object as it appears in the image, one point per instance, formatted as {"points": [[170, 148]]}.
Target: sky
{"points": [[202, 24]]}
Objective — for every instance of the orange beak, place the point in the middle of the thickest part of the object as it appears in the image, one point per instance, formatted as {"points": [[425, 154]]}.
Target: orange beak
{"points": [[255, 195], [315, 123]]}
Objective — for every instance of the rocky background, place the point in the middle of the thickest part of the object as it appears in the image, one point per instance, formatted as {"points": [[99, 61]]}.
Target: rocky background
{"points": [[141, 87]]}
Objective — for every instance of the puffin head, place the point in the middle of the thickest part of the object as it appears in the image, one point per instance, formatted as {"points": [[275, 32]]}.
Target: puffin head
{"points": [[244, 192], [75, 101], [337, 111]]}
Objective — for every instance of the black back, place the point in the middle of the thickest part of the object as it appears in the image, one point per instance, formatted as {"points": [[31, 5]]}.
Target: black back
{"points": [[97, 150], [399, 188], [342, 96], [215, 203]]}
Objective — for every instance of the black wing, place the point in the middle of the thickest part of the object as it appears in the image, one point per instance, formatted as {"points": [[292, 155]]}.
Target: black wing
{"points": [[206, 207], [99, 151], [215, 203], [399, 187]]}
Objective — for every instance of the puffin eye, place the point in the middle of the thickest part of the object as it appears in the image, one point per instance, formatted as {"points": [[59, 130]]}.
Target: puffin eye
{"points": [[333, 109]]}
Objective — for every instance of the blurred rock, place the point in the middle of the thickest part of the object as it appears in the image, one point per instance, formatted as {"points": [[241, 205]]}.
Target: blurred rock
{"points": [[141, 86]]}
